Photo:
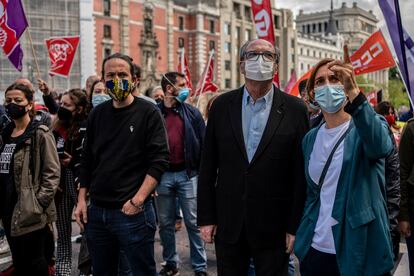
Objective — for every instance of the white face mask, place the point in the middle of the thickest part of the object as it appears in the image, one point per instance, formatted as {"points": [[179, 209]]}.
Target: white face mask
{"points": [[259, 70]]}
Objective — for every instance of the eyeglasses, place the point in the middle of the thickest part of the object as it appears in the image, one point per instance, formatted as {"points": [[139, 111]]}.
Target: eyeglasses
{"points": [[267, 56]]}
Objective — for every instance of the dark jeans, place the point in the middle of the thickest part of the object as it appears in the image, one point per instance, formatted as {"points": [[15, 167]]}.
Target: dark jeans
{"points": [[28, 252], [109, 230], [410, 245], [317, 263]]}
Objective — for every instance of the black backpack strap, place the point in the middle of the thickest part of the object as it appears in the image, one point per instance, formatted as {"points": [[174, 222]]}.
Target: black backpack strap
{"points": [[328, 162]]}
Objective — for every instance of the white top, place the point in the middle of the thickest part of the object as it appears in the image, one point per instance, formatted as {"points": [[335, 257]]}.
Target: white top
{"points": [[326, 139]]}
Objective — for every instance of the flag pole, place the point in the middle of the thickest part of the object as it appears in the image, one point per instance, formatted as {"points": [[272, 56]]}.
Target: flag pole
{"points": [[204, 78], [403, 81], [33, 51]]}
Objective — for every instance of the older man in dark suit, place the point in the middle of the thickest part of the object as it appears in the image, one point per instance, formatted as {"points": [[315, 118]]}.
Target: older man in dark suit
{"points": [[251, 188]]}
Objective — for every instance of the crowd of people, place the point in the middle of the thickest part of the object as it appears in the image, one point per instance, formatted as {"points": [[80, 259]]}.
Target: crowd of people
{"points": [[261, 174]]}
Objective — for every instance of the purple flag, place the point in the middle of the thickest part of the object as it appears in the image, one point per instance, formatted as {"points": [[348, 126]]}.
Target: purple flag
{"points": [[406, 58], [13, 23]]}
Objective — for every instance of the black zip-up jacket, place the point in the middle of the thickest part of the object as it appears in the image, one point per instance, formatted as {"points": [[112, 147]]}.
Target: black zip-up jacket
{"points": [[194, 130]]}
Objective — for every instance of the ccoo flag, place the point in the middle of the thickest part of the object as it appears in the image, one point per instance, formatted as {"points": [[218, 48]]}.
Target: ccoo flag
{"points": [[404, 49], [13, 23], [62, 51], [183, 69]]}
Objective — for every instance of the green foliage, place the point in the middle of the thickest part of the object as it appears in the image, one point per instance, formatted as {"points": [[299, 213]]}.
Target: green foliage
{"points": [[397, 94]]}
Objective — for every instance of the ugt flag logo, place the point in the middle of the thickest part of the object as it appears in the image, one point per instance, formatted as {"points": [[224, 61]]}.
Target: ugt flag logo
{"points": [[13, 22], [62, 51]]}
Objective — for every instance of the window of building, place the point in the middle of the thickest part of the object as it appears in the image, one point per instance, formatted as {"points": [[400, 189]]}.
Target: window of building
{"points": [[107, 52], [325, 26], [293, 58], [337, 24], [107, 7], [319, 27], [314, 53], [238, 31], [301, 66], [277, 42], [308, 66], [212, 27], [236, 9], [313, 28], [247, 12], [308, 29], [326, 55], [227, 65], [180, 42], [181, 23], [212, 45], [247, 34], [292, 43], [301, 51], [227, 28], [307, 52], [320, 54], [227, 83], [107, 32], [227, 47], [276, 18]]}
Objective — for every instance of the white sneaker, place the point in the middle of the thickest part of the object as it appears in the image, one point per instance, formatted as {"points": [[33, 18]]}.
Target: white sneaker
{"points": [[4, 246]]}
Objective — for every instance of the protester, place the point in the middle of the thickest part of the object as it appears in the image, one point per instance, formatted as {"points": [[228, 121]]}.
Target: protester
{"points": [[157, 94], [88, 85], [315, 114], [406, 215], [98, 93], [136, 92], [185, 129], [29, 174], [69, 131], [251, 186], [392, 182], [125, 153], [344, 229], [387, 110]]}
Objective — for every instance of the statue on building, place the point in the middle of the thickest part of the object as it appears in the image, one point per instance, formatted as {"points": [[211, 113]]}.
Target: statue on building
{"points": [[148, 45]]}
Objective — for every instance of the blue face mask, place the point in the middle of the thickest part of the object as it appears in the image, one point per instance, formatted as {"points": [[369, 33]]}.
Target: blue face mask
{"points": [[330, 97], [183, 94], [99, 98]]}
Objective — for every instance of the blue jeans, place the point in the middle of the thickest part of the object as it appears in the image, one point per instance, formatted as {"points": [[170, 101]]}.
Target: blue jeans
{"points": [[109, 231], [291, 268], [172, 185]]}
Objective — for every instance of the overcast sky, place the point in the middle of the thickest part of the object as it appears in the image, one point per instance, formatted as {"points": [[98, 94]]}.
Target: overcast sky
{"points": [[406, 7]]}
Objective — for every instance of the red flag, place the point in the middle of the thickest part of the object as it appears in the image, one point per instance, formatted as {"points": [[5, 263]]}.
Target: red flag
{"points": [[372, 98], [205, 84], [373, 55], [262, 16], [295, 89], [276, 80], [62, 51], [183, 69], [291, 83]]}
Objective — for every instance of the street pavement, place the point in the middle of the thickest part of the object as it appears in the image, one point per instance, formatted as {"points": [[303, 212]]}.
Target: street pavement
{"points": [[183, 248]]}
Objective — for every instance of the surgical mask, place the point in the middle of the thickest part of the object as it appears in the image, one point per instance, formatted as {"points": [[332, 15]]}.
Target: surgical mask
{"points": [[119, 89], [182, 95], [64, 114], [15, 111], [259, 70], [330, 97], [99, 98]]}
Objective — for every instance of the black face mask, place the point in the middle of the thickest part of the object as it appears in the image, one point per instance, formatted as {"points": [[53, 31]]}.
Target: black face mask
{"points": [[64, 114], [15, 111], [158, 101]]}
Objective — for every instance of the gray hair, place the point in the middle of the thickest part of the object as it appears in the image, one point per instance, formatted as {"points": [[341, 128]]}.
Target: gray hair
{"points": [[247, 43]]}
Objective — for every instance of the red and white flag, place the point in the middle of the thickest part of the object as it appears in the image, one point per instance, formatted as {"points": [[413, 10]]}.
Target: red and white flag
{"points": [[62, 51], [183, 69], [205, 84], [291, 82], [373, 55], [262, 17]]}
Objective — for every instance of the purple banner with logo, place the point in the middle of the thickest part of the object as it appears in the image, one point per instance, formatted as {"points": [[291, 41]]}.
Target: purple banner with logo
{"points": [[406, 58]]}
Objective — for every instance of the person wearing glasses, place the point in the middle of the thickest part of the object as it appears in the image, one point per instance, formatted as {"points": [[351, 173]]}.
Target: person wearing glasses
{"points": [[252, 187]]}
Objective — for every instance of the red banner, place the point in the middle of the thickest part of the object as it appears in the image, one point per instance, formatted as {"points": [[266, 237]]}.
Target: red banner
{"points": [[291, 82], [372, 56], [183, 69], [62, 51], [206, 84], [262, 15]]}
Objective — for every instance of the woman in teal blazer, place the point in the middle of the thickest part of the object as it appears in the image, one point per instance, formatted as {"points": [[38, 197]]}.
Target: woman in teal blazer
{"points": [[344, 229]]}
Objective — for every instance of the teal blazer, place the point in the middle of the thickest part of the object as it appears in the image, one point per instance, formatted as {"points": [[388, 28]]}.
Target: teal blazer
{"points": [[362, 239]]}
